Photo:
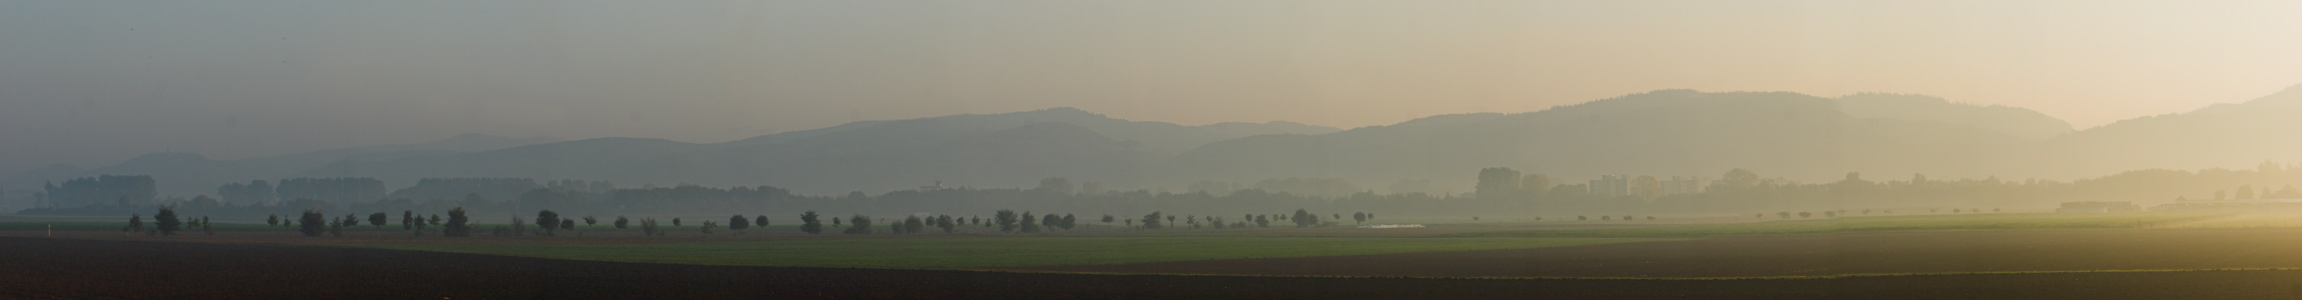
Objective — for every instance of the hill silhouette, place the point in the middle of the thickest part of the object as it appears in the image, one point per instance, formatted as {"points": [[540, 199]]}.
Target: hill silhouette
{"points": [[1662, 133]]}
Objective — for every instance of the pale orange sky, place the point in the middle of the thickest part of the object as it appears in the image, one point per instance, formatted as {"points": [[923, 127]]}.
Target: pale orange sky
{"points": [[99, 82]]}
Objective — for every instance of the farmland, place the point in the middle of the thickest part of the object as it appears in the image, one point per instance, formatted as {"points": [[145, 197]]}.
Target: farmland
{"points": [[994, 252], [91, 269], [1890, 223], [2149, 255], [1805, 255]]}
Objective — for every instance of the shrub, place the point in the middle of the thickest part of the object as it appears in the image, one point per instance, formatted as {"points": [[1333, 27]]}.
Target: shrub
{"points": [[547, 220], [809, 224], [458, 224], [859, 224], [165, 221], [312, 222]]}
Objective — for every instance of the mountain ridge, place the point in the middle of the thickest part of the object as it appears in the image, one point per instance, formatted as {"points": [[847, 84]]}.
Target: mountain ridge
{"points": [[1661, 132]]}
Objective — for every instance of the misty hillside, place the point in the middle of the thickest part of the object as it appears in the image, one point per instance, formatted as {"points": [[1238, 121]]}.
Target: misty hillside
{"points": [[2020, 122], [2223, 135], [983, 150], [188, 173], [1670, 132], [1662, 133]]}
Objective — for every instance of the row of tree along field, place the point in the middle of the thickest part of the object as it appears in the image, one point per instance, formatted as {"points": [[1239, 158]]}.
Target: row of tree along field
{"points": [[458, 223], [1501, 191]]}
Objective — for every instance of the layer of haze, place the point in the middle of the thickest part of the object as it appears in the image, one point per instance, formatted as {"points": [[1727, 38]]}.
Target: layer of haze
{"points": [[95, 82]]}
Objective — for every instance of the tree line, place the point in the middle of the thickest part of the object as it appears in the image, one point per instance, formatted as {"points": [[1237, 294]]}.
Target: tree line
{"points": [[1500, 191]]}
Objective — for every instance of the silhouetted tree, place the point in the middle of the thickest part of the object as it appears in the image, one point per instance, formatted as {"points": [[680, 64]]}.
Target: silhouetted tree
{"points": [[945, 223], [761, 222], [1263, 221], [458, 224], [1498, 184], [378, 219], [1006, 219], [313, 223], [1361, 218], [1738, 179], [408, 219], [675, 222], [738, 223], [1151, 221], [1107, 220], [1304, 218], [1069, 221], [165, 221], [622, 222], [1030, 224], [1535, 185], [1055, 185], [135, 223], [809, 224], [547, 220], [913, 225], [859, 224], [1051, 221], [273, 220], [1802, 215], [647, 227], [592, 222]]}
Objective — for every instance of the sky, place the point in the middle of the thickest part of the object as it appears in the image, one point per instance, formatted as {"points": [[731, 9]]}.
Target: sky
{"points": [[96, 82]]}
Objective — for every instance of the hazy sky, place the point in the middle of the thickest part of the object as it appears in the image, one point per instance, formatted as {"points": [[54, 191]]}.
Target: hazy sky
{"points": [[95, 82]]}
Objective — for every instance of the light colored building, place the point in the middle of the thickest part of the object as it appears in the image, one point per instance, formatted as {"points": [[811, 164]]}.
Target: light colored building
{"points": [[1611, 185], [1686, 185], [937, 187], [2097, 206]]}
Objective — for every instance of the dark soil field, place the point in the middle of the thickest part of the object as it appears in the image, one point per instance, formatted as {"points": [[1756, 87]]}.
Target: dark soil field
{"points": [[42, 268], [1802, 255]]}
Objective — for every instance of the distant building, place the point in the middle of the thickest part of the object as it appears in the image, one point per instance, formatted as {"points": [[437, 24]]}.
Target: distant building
{"points": [[1685, 185], [1611, 186], [2281, 204], [937, 187], [2097, 206]]}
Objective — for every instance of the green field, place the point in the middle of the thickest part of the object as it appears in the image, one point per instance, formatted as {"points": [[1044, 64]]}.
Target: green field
{"points": [[148, 225], [1883, 223], [394, 225], [994, 252]]}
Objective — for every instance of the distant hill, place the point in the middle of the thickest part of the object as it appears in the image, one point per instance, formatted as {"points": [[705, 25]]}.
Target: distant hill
{"points": [[984, 150], [1669, 132], [2220, 136], [1662, 133], [188, 173]]}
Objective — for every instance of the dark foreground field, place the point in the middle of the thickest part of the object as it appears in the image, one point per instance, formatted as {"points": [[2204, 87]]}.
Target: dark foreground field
{"points": [[36, 268], [1801, 255]]}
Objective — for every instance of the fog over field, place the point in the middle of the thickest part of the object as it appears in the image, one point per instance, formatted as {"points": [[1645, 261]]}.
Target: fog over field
{"points": [[1432, 108], [1174, 149]]}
